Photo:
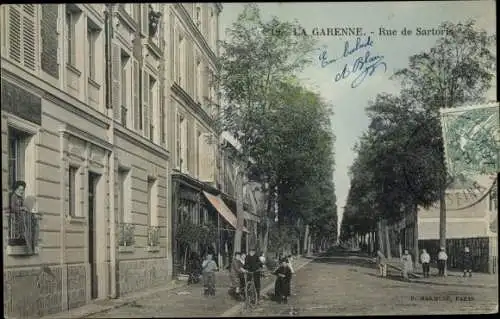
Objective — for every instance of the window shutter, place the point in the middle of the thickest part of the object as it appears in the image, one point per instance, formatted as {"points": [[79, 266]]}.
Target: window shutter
{"points": [[50, 45], [30, 36], [15, 33], [116, 76], [206, 158], [136, 88], [145, 98]]}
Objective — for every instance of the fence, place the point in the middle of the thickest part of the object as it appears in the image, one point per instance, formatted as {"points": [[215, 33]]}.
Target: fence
{"points": [[479, 247]]}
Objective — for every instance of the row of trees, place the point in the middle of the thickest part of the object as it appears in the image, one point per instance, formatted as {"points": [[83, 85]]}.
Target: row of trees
{"points": [[400, 158], [284, 130]]}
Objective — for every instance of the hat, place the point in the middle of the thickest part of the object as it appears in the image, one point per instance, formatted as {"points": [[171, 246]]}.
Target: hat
{"points": [[466, 249], [442, 248], [283, 260]]}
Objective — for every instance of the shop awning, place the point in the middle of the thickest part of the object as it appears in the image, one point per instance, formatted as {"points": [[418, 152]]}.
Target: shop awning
{"points": [[223, 210]]}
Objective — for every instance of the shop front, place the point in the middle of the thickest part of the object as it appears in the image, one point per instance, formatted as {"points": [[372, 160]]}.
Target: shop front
{"points": [[203, 204]]}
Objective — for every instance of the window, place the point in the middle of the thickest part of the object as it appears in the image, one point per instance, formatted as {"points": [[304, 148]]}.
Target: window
{"points": [[180, 62], [136, 89], [162, 121], [125, 93], [152, 202], [123, 194], [180, 141], [151, 106], [18, 143], [127, 7], [73, 190], [198, 157], [198, 83], [23, 35], [184, 150], [92, 35], [71, 18], [137, 12], [198, 16]]}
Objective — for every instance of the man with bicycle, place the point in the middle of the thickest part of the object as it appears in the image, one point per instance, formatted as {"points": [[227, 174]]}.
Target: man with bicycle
{"points": [[253, 266]]}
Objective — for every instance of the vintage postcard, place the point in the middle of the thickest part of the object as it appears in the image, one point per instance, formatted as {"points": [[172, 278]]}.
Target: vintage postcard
{"points": [[249, 159]]}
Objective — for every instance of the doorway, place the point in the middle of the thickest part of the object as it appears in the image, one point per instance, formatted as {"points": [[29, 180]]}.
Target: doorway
{"points": [[93, 180]]}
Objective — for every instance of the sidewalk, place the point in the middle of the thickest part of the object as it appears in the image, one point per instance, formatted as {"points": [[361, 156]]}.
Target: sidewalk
{"points": [[108, 304], [176, 300], [454, 277]]}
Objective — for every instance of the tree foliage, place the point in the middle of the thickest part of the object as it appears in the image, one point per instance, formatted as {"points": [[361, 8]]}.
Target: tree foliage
{"points": [[280, 125], [400, 159]]}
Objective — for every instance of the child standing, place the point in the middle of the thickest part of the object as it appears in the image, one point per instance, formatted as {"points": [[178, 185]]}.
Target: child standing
{"points": [[467, 262], [425, 259], [407, 265], [209, 267]]}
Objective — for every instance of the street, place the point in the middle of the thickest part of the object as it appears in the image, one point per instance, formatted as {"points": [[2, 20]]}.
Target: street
{"points": [[349, 286], [332, 285]]}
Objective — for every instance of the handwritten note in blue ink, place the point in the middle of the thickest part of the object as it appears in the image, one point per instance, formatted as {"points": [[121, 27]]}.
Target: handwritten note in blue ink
{"points": [[359, 69]]}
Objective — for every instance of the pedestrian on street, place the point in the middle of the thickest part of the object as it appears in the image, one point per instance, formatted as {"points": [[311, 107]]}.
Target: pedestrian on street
{"points": [[282, 283], [235, 274], [425, 259], [209, 267], [381, 264], [289, 261], [442, 258], [467, 262], [407, 264], [254, 265]]}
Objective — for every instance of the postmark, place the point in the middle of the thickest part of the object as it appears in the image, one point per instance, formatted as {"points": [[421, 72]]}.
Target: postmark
{"points": [[470, 145]]}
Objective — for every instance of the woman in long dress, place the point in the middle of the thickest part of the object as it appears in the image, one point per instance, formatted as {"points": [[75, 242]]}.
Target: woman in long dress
{"points": [[282, 283]]}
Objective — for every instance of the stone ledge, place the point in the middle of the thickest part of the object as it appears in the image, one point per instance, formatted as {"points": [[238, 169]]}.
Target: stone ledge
{"points": [[21, 250], [153, 249], [126, 249]]}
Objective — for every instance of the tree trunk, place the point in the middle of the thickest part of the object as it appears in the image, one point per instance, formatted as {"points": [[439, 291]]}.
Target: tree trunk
{"points": [[306, 238], [415, 236], [380, 237], [442, 219], [310, 246], [268, 223], [387, 242], [239, 209], [266, 236]]}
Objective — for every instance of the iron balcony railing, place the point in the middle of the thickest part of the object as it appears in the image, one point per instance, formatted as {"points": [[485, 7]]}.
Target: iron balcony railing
{"points": [[153, 236], [23, 229], [127, 237]]}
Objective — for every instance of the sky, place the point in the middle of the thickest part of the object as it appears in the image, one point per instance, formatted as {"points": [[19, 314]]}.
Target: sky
{"points": [[350, 119]]}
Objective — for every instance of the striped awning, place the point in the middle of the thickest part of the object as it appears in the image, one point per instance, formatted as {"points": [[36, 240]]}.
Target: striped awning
{"points": [[223, 210]]}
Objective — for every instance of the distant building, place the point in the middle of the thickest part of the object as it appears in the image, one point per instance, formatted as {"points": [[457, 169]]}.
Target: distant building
{"points": [[474, 226]]}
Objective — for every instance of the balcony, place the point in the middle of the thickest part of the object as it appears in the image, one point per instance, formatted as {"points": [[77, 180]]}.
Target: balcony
{"points": [[23, 233], [153, 238], [126, 238]]}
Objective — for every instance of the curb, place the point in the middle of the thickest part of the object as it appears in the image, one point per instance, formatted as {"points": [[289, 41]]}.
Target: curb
{"points": [[233, 311]]}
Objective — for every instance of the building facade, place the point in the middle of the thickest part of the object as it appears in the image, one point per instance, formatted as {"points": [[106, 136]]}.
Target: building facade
{"points": [[88, 122], [474, 226]]}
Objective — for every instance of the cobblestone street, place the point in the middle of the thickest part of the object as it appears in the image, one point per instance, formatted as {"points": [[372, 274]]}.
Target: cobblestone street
{"points": [[187, 301], [349, 286], [331, 286]]}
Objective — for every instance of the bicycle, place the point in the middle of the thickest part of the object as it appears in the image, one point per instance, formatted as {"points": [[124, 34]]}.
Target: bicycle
{"points": [[250, 290]]}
